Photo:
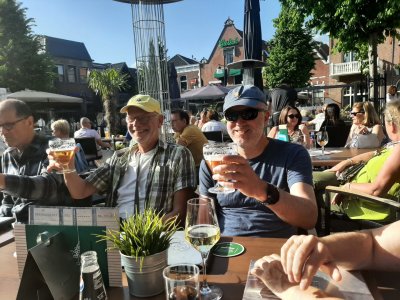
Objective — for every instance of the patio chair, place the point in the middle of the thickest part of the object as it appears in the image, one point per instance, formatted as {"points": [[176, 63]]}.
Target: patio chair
{"points": [[89, 146], [215, 136], [338, 222]]}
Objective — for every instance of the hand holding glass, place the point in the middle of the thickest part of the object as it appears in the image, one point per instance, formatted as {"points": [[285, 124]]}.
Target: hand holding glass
{"points": [[322, 139], [62, 151], [202, 232], [213, 153]]}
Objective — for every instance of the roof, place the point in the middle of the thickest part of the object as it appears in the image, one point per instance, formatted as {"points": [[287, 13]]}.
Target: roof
{"points": [[65, 48], [180, 60], [322, 50]]}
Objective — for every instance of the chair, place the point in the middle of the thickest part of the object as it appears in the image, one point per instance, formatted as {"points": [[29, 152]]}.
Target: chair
{"points": [[89, 146], [337, 135], [216, 136], [338, 222]]}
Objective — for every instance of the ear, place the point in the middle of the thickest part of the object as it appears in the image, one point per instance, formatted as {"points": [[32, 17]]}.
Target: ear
{"points": [[31, 121], [160, 120]]}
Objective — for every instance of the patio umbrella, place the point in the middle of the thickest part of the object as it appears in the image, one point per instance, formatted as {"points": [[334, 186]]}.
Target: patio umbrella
{"points": [[252, 39], [37, 96], [174, 91], [208, 92]]}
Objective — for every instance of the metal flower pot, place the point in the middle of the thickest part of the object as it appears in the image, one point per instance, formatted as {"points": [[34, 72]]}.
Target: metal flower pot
{"points": [[145, 281]]}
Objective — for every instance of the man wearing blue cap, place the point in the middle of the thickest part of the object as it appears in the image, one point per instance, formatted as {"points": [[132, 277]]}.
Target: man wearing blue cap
{"points": [[150, 173], [273, 179]]}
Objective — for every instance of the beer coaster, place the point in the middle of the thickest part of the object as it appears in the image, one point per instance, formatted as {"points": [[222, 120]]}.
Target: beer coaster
{"points": [[228, 249]]}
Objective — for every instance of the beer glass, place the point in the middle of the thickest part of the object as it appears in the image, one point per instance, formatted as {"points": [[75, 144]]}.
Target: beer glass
{"points": [[62, 151], [213, 153]]}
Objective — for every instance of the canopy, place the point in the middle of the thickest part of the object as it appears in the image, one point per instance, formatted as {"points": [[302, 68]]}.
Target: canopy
{"points": [[208, 92], [36, 96]]}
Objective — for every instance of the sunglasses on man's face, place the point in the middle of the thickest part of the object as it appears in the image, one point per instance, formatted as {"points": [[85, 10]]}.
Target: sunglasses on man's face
{"points": [[354, 113], [247, 114], [291, 116]]}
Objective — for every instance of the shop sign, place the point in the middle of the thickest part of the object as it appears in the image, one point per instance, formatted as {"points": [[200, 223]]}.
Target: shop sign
{"points": [[228, 43]]}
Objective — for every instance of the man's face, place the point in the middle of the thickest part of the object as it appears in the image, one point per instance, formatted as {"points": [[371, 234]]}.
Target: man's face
{"points": [[143, 126], [16, 131], [247, 133], [177, 123]]}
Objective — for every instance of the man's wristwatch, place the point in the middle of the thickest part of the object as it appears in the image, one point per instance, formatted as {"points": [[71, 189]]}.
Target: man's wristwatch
{"points": [[272, 195]]}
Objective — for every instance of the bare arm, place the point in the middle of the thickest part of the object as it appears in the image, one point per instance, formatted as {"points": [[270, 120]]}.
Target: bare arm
{"points": [[306, 134], [78, 187], [378, 131], [179, 205], [348, 162], [103, 144], [272, 133]]}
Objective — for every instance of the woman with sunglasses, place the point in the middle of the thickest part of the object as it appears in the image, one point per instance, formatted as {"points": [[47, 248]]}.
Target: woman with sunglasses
{"points": [[366, 131], [298, 132]]}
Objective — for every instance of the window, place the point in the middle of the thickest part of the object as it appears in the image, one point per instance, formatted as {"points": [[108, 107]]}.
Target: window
{"points": [[71, 74], [60, 72], [318, 96], [83, 75], [228, 55], [184, 85], [349, 57]]}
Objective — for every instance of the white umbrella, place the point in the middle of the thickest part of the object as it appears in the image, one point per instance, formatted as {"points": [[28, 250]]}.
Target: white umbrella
{"points": [[37, 96]]}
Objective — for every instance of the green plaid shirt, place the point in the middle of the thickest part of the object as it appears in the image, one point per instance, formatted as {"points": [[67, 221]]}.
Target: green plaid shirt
{"points": [[172, 169]]}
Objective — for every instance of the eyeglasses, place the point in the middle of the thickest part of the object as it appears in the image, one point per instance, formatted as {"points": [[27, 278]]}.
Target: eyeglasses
{"points": [[291, 116], [354, 113], [140, 119], [247, 114], [9, 126]]}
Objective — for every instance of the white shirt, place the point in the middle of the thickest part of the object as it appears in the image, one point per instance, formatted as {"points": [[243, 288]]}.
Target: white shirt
{"points": [[86, 132], [390, 97], [213, 125]]}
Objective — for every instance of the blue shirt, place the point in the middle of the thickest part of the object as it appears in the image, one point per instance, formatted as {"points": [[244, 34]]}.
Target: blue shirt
{"points": [[281, 164]]}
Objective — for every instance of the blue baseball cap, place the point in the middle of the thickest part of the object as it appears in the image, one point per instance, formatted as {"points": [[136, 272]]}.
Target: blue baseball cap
{"points": [[246, 95]]}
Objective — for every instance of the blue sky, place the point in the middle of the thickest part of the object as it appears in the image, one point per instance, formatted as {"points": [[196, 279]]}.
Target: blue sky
{"points": [[192, 26]]}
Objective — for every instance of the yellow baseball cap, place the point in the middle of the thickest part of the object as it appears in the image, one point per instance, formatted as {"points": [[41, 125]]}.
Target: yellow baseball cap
{"points": [[144, 102]]}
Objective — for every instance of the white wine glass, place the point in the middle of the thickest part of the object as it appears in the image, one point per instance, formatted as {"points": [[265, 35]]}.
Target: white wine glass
{"points": [[202, 232], [322, 140], [62, 150], [213, 153]]}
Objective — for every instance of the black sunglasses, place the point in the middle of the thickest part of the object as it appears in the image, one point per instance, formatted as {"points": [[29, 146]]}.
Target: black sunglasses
{"points": [[291, 116], [354, 113], [247, 114]]}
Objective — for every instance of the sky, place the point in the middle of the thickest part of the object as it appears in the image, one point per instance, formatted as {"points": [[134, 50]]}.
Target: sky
{"points": [[192, 27]]}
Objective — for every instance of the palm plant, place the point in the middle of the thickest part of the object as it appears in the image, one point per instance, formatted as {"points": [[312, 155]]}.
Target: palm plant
{"points": [[107, 84]]}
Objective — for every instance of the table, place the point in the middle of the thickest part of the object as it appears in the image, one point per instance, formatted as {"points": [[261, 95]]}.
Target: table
{"points": [[337, 155], [228, 273]]}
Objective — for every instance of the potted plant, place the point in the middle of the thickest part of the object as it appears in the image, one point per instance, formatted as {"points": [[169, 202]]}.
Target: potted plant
{"points": [[143, 241]]}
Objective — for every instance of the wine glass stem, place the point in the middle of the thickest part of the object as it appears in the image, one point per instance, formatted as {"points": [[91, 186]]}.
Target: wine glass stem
{"points": [[204, 285], [323, 148]]}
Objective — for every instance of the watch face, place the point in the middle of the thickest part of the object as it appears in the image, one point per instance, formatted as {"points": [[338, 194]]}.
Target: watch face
{"points": [[273, 194]]}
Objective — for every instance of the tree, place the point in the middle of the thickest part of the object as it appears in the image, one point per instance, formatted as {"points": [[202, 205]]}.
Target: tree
{"points": [[23, 64], [107, 83], [291, 57], [354, 23]]}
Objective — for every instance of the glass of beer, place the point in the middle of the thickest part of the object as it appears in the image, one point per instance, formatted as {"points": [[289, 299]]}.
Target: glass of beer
{"points": [[213, 153], [62, 151]]}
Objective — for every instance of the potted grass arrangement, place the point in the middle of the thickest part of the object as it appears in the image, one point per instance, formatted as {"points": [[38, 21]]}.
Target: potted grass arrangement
{"points": [[143, 241]]}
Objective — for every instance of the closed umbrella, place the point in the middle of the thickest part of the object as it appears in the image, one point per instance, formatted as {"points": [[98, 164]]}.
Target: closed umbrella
{"points": [[174, 91]]}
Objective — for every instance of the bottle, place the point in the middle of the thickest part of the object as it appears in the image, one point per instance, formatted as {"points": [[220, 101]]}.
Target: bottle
{"points": [[91, 283], [313, 141]]}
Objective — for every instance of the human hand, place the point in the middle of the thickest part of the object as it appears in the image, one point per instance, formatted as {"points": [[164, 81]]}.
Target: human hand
{"points": [[337, 199], [339, 168], [236, 173], [301, 258]]}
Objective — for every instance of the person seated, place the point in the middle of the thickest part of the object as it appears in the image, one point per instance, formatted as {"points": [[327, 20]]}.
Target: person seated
{"points": [[332, 116], [319, 118], [60, 129], [203, 119], [366, 131], [392, 94], [297, 132], [290, 275], [214, 124], [87, 131], [335, 127], [379, 177]]}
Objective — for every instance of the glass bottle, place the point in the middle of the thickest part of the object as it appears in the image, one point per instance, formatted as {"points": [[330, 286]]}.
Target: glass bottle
{"points": [[91, 283]]}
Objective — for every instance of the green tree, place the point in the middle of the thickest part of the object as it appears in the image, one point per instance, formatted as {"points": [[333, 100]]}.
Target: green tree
{"points": [[291, 57], [354, 23], [107, 84], [23, 64]]}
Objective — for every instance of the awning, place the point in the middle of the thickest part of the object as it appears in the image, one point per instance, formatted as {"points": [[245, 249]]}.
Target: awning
{"points": [[232, 72]]}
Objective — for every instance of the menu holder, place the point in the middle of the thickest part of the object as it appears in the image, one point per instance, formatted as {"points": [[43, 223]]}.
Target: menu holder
{"points": [[50, 271], [79, 227]]}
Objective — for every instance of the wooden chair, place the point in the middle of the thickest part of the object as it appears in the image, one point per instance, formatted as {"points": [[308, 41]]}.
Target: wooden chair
{"points": [[89, 146], [215, 136], [338, 222]]}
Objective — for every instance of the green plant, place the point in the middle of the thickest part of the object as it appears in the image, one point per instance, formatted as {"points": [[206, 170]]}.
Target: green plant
{"points": [[142, 234]]}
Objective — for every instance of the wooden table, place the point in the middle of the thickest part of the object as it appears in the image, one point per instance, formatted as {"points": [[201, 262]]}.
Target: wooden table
{"points": [[228, 273], [338, 155]]}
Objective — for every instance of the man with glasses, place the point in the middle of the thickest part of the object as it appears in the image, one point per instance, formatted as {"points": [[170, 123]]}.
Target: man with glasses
{"points": [[22, 163], [148, 174], [273, 179]]}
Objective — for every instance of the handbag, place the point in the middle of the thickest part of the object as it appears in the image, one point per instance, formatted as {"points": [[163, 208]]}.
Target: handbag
{"points": [[349, 173]]}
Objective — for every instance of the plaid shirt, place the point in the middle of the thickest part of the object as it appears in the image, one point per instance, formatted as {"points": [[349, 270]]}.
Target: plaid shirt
{"points": [[22, 187], [172, 169]]}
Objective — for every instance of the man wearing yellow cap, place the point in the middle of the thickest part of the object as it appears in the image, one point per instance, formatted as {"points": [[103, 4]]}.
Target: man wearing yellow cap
{"points": [[150, 173]]}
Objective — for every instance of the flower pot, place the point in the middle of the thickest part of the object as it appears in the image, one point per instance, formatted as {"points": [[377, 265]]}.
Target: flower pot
{"points": [[146, 280]]}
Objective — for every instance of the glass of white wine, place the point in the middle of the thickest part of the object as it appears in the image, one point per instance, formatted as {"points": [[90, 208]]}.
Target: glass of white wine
{"points": [[202, 232], [62, 151], [322, 139], [213, 153]]}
